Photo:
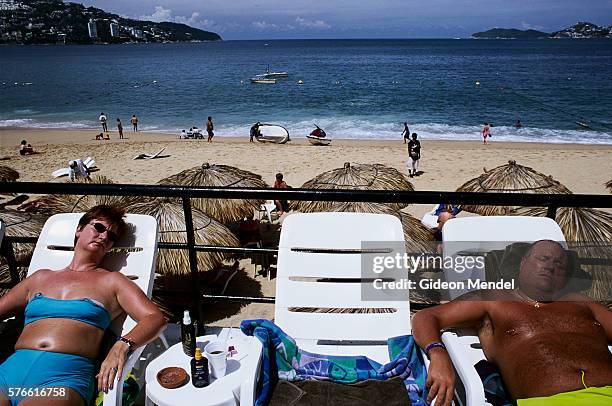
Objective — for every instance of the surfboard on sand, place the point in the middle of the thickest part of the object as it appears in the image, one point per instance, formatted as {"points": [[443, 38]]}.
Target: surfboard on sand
{"points": [[272, 133]]}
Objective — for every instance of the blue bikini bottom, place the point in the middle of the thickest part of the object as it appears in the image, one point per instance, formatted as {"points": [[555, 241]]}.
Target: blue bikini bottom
{"points": [[34, 369]]}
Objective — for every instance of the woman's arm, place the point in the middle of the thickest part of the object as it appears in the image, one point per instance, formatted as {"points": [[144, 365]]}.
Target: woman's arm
{"points": [[150, 322], [15, 300]]}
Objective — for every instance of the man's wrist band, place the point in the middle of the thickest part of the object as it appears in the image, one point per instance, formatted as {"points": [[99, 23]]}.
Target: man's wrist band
{"points": [[433, 345]]}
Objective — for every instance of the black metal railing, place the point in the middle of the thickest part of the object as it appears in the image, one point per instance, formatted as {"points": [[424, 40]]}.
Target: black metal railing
{"points": [[551, 201]]}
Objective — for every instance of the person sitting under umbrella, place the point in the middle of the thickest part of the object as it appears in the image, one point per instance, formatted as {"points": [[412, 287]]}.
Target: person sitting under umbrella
{"points": [[550, 345], [67, 312]]}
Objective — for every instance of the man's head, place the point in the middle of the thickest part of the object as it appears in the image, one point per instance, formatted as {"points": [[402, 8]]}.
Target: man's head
{"points": [[414, 136], [23, 142], [104, 221], [544, 267], [279, 177]]}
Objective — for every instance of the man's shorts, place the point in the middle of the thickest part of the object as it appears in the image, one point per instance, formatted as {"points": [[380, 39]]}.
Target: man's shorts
{"points": [[590, 396]]}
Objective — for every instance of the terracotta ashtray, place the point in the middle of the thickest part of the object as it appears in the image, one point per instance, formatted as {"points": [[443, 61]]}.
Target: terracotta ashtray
{"points": [[172, 377]]}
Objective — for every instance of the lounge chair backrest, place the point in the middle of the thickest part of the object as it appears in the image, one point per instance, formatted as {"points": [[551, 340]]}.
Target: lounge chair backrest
{"points": [[54, 250], [314, 246], [481, 234]]}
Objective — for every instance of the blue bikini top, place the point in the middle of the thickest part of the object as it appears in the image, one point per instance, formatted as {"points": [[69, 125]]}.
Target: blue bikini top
{"points": [[84, 310]]}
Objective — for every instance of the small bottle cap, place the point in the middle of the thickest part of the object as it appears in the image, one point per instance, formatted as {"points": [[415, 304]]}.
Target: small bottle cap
{"points": [[186, 317], [198, 353]]}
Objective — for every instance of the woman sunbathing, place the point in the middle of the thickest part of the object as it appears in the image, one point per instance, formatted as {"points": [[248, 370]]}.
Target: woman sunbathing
{"points": [[66, 313]]}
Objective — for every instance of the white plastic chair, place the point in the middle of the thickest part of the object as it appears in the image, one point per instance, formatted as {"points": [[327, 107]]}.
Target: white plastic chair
{"points": [[268, 208], [149, 156], [54, 250], [315, 246], [429, 219], [478, 235]]}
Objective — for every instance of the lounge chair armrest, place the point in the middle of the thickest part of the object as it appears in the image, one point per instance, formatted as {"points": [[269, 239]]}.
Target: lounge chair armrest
{"points": [[248, 387], [114, 396], [463, 356]]}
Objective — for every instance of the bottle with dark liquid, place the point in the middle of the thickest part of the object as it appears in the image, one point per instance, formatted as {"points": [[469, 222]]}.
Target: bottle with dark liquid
{"points": [[199, 370], [188, 336]]}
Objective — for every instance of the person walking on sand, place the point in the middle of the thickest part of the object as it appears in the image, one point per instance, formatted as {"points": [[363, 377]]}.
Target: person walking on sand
{"points": [[406, 132], [103, 121], [414, 155], [486, 132], [120, 129], [134, 121], [209, 129]]}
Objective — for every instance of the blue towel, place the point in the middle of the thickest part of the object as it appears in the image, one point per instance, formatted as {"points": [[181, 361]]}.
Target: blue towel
{"points": [[283, 359]]}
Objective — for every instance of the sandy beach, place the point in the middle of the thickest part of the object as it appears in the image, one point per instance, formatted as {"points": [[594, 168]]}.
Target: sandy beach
{"points": [[446, 165]]}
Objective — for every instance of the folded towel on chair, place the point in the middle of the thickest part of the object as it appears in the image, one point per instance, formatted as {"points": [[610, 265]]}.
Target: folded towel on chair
{"points": [[284, 360]]}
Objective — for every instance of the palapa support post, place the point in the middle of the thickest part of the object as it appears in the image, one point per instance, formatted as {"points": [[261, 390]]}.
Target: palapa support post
{"points": [[193, 263], [551, 213], [6, 249]]}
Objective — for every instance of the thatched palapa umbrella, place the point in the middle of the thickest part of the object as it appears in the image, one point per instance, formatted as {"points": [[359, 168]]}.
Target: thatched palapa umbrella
{"points": [[8, 174], [171, 220], [609, 185], [510, 178], [354, 177], [223, 210], [591, 232], [53, 204]]}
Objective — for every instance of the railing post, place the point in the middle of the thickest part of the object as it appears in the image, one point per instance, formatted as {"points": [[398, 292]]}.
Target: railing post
{"points": [[7, 251], [551, 213], [193, 262]]}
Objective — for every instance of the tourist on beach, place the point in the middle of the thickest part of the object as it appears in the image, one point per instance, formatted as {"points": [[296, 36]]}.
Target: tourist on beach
{"points": [[77, 168], [66, 314], [209, 129], [103, 121], [442, 219], [406, 132], [281, 205], [134, 121], [549, 344], [486, 132], [26, 149], [120, 129], [414, 155], [518, 124], [254, 131]]}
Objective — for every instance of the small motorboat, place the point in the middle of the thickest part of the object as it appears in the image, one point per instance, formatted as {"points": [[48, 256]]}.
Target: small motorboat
{"points": [[318, 137], [270, 74], [195, 132], [583, 124], [261, 79], [272, 133]]}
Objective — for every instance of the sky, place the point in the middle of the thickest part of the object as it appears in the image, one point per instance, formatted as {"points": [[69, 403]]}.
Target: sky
{"points": [[316, 19]]}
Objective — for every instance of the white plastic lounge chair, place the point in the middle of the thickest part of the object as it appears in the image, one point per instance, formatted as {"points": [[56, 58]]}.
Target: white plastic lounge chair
{"points": [[477, 235], [150, 156], [268, 208], [54, 251], [88, 162], [315, 246]]}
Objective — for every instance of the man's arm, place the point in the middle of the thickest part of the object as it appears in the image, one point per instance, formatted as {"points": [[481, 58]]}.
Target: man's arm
{"points": [[468, 310], [604, 316]]}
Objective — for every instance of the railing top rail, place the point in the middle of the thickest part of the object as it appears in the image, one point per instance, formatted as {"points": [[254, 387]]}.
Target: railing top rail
{"points": [[342, 195]]}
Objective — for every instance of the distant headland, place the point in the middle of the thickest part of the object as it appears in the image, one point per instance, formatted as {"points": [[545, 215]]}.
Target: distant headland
{"points": [[57, 22], [578, 30]]}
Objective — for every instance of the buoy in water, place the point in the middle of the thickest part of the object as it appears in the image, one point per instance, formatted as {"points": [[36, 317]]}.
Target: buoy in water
{"points": [[300, 82], [477, 83]]}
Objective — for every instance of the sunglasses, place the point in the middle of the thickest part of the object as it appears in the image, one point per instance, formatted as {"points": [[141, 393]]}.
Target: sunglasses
{"points": [[100, 228]]}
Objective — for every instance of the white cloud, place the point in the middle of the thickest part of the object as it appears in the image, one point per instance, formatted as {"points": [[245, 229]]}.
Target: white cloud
{"points": [[193, 20], [159, 15], [527, 26], [317, 24], [263, 25]]}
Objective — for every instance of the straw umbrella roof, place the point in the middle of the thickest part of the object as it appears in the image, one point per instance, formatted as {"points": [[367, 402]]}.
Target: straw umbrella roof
{"points": [[591, 232], [354, 177], [223, 210], [21, 224], [510, 178], [53, 204], [609, 185], [8, 174], [171, 220]]}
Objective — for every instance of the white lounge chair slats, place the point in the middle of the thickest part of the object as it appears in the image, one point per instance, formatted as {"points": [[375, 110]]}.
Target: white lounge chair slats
{"points": [[138, 265], [329, 245], [149, 156]]}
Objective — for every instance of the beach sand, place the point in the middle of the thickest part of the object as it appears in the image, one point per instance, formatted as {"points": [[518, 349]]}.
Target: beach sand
{"points": [[446, 165]]}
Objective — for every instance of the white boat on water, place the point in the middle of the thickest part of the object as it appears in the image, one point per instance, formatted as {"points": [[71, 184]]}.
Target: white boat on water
{"points": [[270, 74], [260, 79], [272, 133]]}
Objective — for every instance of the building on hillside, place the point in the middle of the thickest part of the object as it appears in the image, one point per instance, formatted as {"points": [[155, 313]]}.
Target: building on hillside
{"points": [[92, 29], [114, 29]]}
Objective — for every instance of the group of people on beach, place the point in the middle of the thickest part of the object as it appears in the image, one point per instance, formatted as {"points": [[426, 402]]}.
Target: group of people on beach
{"points": [[104, 123], [195, 132]]}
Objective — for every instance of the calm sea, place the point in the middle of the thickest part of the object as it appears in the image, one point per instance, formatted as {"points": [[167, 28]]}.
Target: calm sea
{"points": [[351, 88]]}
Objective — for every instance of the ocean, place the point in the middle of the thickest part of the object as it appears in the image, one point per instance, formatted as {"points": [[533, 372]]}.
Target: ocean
{"points": [[354, 89]]}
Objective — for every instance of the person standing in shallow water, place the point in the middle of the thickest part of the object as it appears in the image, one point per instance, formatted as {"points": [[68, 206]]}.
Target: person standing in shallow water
{"points": [[486, 132], [406, 132], [103, 121], [209, 129], [120, 128], [134, 121]]}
